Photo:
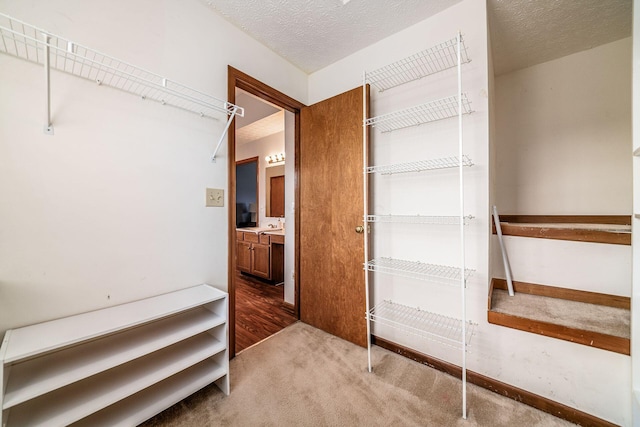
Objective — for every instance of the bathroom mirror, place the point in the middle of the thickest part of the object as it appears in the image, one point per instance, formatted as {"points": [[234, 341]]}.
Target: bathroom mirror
{"points": [[274, 191]]}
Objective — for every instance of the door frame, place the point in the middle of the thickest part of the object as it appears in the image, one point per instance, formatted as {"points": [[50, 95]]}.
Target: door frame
{"points": [[240, 80]]}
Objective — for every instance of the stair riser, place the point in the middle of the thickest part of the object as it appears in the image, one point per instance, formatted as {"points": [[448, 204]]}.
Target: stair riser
{"points": [[594, 267]]}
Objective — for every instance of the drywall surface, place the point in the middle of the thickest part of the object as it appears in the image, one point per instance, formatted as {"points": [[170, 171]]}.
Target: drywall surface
{"points": [[289, 208], [563, 135], [591, 380], [263, 147], [112, 207]]}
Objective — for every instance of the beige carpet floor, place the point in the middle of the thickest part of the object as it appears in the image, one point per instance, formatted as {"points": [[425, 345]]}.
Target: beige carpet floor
{"points": [[305, 377]]}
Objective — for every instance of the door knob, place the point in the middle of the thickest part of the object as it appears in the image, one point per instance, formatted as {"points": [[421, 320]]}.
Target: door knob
{"points": [[359, 229]]}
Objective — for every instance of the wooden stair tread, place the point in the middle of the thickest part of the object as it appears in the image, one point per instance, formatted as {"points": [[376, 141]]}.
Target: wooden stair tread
{"points": [[588, 318], [612, 229], [572, 314]]}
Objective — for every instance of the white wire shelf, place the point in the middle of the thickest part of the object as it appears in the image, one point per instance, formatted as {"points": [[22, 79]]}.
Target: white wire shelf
{"points": [[30, 43], [435, 327], [421, 165], [418, 219], [431, 111], [434, 273], [425, 63]]}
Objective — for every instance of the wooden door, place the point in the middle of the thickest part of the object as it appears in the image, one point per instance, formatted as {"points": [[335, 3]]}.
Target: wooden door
{"points": [[332, 294], [276, 202]]}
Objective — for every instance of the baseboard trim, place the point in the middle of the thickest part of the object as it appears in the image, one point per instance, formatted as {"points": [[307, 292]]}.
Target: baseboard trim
{"points": [[289, 307], [542, 403]]}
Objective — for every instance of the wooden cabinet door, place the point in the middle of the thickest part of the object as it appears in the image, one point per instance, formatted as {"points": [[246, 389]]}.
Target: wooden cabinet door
{"points": [[260, 260], [332, 293], [243, 256]]}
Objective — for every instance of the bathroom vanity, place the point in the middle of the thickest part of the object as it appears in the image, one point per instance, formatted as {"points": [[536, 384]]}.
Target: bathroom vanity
{"points": [[260, 252]]}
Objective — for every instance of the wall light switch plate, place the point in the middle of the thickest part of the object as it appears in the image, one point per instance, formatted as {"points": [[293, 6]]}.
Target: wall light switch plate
{"points": [[215, 197]]}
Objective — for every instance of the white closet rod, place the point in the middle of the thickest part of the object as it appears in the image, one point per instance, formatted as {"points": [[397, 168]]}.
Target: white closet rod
{"points": [[25, 41]]}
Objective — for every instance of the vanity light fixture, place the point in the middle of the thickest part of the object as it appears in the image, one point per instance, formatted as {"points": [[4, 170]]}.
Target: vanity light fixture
{"points": [[275, 158]]}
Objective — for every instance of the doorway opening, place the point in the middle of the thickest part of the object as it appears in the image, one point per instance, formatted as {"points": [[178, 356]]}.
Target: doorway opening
{"points": [[263, 232]]}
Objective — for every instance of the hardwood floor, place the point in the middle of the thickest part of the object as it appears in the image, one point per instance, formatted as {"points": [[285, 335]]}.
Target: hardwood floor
{"points": [[260, 311]]}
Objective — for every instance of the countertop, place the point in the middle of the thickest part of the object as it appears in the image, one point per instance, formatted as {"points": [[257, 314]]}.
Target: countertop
{"points": [[263, 230]]}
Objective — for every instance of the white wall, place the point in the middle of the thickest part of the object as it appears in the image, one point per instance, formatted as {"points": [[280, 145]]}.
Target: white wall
{"points": [[111, 208], [635, 301], [591, 380], [289, 207], [564, 135], [263, 147]]}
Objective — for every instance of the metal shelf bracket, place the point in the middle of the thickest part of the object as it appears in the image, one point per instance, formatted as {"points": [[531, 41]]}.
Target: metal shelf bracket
{"points": [[234, 110], [48, 127]]}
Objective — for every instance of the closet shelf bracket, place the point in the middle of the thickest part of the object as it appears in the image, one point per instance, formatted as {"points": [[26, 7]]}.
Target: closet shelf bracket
{"points": [[232, 114], [24, 41]]}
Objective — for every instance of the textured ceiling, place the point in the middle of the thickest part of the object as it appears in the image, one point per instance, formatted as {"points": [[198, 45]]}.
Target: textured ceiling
{"points": [[261, 128], [312, 34], [315, 33], [260, 118], [526, 32]]}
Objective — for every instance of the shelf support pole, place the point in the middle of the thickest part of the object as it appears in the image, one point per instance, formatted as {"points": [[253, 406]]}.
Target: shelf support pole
{"points": [[48, 128], [463, 282], [232, 115]]}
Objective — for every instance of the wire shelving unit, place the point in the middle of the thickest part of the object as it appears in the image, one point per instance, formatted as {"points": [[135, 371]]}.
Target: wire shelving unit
{"points": [[424, 324], [431, 111], [27, 42], [434, 273], [420, 165], [435, 327], [422, 64]]}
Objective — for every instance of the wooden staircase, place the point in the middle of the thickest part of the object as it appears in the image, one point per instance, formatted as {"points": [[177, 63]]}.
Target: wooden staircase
{"points": [[612, 229], [594, 319]]}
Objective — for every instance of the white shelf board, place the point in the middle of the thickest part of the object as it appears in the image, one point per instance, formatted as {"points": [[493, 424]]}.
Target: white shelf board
{"points": [[435, 273], [80, 399], [436, 327], [420, 165], [55, 334], [152, 400], [41, 375]]}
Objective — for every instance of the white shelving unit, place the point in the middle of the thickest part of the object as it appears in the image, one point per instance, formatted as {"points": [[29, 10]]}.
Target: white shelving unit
{"points": [[115, 366], [453, 332], [39, 46]]}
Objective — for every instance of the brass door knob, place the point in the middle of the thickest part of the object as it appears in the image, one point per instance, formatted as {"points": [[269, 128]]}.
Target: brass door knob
{"points": [[359, 229]]}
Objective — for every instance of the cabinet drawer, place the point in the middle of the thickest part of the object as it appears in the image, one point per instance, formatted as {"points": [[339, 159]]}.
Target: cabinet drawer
{"points": [[276, 238], [251, 237], [264, 239], [239, 235]]}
